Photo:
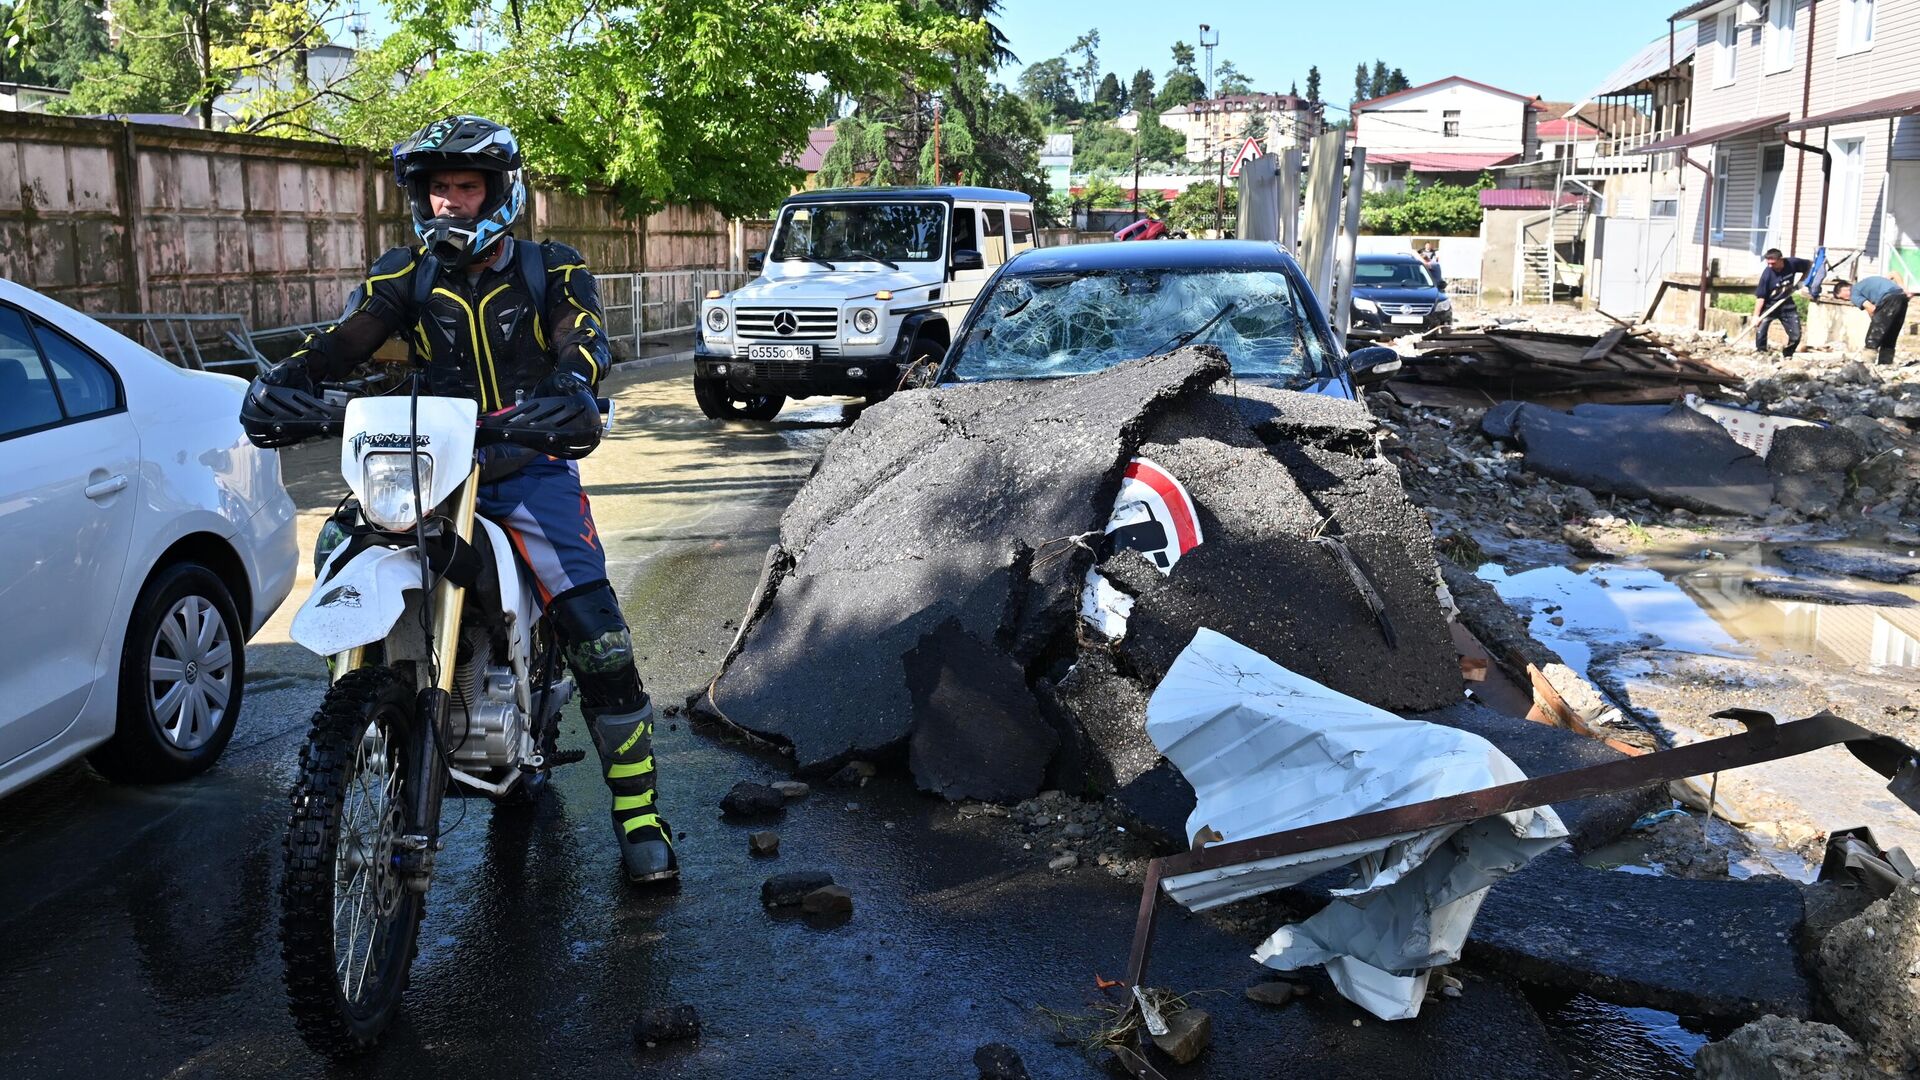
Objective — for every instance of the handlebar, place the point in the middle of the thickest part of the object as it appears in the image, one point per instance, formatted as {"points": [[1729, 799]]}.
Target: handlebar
{"points": [[564, 427]]}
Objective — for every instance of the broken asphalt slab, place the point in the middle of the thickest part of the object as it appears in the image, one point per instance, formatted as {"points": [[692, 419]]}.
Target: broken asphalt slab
{"points": [[1671, 455], [1814, 592], [977, 731], [929, 508], [1873, 564]]}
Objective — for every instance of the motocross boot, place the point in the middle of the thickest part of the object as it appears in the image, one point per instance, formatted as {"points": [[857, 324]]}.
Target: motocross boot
{"points": [[625, 743]]}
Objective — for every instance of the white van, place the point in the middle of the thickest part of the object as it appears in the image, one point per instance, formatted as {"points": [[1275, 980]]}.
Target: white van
{"points": [[858, 285]]}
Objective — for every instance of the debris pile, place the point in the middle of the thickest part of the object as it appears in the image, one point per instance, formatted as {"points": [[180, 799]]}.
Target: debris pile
{"points": [[1479, 365], [926, 596]]}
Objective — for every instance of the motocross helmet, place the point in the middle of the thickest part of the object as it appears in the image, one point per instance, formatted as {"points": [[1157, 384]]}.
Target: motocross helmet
{"points": [[462, 142]]}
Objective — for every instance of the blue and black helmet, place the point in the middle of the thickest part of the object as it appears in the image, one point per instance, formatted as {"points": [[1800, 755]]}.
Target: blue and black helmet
{"points": [[462, 142]]}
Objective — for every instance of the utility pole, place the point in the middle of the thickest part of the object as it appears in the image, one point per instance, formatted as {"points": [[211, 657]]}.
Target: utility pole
{"points": [[1208, 45], [936, 142], [1220, 195], [1136, 173]]}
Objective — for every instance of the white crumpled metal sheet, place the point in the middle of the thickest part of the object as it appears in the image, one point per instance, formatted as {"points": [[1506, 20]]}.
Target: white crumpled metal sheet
{"points": [[1268, 750]]}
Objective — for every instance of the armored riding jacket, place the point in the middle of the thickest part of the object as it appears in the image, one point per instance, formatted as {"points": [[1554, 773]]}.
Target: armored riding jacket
{"points": [[491, 336]]}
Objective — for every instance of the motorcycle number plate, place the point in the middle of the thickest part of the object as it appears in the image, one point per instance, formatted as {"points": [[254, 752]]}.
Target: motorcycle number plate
{"points": [[780, 352], [1414, 320]]}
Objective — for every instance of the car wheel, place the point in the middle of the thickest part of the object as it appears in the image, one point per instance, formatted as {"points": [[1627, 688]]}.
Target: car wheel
{"points": [[719, 401], [182, 676]]}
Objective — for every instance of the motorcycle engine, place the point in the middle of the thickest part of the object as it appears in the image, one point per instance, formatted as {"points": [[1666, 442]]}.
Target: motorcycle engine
{"points": [[487, 727]]}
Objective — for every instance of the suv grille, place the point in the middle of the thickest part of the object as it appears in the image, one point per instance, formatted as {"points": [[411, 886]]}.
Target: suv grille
{"points": [[784, 370], [807, 323], [1405, 309]]}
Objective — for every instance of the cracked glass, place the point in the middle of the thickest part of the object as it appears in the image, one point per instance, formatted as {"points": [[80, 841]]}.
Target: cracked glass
{"points": [[1045, 325], [866, 231]]}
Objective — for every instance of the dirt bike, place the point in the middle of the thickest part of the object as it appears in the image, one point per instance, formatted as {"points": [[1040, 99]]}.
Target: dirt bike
{"points": [[443, 682]]}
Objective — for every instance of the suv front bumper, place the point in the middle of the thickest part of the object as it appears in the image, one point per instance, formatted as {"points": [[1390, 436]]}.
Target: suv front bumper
{"points": [[854, 375]]}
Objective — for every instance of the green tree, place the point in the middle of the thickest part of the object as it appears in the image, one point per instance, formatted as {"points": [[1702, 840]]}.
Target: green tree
{"points": [[1101, 193], [1194, 209], [1360, 84], [1425, 210], [1377, 82], [861, 153], [1227, 79], [1001, 147], [673, 101], [50, 42], [1086, 76], [1313, 85], [1159, 143], [1048, 85], [1110, 100], [1255, 127], [1183, 56], [1180, 88], [1140, 91], [1397, 81], [165, 60]]}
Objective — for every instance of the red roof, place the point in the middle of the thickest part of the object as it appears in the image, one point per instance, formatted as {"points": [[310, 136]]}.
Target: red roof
{"points": [[1566, 127], [1524, 199], [819, 141], [1442, 162], [1358, 105]]}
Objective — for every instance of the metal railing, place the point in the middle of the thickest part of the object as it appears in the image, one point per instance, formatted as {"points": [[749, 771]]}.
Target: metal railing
{"points": [[657, 303], [216, 342]]}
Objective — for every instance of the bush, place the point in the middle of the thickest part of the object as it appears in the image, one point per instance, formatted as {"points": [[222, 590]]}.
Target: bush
{"points": [[1194, 210], [1746, 304], [1425, 210]]}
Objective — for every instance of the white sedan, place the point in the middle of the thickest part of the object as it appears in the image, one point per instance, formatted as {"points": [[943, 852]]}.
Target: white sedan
{"points": [[143, 540]]}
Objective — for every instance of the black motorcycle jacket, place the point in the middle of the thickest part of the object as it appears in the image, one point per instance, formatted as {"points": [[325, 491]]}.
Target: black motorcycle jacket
{"points": [[477, 336]]}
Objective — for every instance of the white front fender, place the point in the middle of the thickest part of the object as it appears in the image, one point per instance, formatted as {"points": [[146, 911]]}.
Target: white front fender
{"points": [[360, 604]]}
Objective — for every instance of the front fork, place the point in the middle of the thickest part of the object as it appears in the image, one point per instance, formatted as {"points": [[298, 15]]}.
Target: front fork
{"points": [[431, 706]]}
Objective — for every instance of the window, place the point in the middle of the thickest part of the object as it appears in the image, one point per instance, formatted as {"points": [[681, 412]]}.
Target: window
{"points": [[1849, 173], [27, 399], [993, 242], [86, 387], [1664, 208], [1726, 49], [1022, 227], [1776, 40], [1855, 32], [1450, 123], [1721, 163], [965, 236]]}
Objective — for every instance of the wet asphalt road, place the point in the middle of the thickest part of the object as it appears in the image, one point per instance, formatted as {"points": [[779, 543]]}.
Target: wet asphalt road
{"points": [[138, 925]]}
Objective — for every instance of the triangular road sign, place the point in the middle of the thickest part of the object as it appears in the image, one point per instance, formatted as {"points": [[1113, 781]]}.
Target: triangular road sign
{"points": [[1247, 153]]}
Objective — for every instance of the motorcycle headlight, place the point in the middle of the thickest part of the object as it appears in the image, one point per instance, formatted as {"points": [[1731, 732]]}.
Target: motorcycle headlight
{"points": [[1361, 303], [866, 320], [386, 489], [717, 319]]}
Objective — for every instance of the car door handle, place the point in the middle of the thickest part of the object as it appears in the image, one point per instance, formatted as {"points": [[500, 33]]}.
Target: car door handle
{"points": [[114, 483]]}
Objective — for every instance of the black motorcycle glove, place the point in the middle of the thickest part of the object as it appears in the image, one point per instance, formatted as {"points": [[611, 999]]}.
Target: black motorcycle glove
{"points": [[290, 375], [562, 383]]}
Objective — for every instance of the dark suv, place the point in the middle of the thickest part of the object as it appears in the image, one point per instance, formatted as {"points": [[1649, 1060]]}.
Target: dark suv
{"points": [[1394, 295]]}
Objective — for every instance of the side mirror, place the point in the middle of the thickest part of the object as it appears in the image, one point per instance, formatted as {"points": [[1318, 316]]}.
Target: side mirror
{"points": [[968, 259], [1373, 364], [757, 262]]}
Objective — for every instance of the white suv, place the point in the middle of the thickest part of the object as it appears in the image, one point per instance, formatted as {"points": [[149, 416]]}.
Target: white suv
{"points": [[858, 285]]}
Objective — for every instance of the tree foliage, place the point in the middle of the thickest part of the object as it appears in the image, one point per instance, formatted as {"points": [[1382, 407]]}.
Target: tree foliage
{"points": [[1140, 91], [1104, 147], [667, 101], [1086, 74], [1313, 84], [50, 42], [164, 62], [1194, 209], [1101, 193], [1425, 210], [1110, 100], [1227, 79], [1181, 88], [1048, 86]]}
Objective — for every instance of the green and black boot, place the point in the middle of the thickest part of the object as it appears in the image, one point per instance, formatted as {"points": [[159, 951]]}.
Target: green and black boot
{"points": [[625, 743]]}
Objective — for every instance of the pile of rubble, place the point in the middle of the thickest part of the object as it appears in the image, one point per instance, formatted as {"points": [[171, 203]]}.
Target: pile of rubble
{"points": [[1482, 364]]}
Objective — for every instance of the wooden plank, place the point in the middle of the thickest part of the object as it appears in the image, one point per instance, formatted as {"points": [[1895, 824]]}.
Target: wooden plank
{"points": [[1605, 345]]}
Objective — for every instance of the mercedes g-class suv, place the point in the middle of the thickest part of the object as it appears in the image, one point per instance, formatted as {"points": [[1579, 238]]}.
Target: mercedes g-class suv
{"points": [[857, 286]]}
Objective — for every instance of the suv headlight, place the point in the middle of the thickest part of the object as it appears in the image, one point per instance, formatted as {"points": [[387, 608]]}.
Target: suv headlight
{"points": [[1361, 303], [865, 320], [1445, 305], [717, 320], [386, 489]]}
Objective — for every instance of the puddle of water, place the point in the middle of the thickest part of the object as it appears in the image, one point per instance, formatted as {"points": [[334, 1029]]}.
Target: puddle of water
{"points": [[1613, 1042], [1606, 604]]}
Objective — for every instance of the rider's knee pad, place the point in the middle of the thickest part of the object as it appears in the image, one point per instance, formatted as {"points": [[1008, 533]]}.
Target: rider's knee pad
{"points": [[597, 645]]}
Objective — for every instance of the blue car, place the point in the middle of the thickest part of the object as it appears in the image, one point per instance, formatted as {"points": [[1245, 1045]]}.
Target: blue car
{"points": [[1072, 310]]}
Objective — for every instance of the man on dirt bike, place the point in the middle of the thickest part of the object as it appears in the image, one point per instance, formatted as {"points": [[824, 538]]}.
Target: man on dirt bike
{"points": [[500, 320]]}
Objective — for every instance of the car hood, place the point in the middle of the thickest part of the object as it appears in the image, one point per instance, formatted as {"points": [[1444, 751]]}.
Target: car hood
{"points": [[1393, 295], [830, 286]]}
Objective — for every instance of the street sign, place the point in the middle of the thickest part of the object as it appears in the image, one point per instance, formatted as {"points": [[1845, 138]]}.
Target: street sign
{"points": [[1247, 153], [1153, 515]]}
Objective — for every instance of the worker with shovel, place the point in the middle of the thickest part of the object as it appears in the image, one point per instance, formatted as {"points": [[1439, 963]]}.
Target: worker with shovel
{"points": [[1775, 299]]}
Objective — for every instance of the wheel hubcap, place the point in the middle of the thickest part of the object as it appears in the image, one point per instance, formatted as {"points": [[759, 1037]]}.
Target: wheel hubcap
{"points": [[366, 885], [190, 672]]}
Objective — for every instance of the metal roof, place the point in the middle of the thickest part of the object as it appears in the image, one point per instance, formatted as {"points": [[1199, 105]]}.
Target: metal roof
{"points": [[1525, 199], [1370, 103], [1651, 60], [1442, 163], [1717, 133], [944, 194], [1905, 103]]}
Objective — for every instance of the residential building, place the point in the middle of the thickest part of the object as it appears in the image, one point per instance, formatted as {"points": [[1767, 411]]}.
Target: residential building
{"points": [[1222, 124], [1056, 161], [1450, 130], [1804, 134], [326, 66]]}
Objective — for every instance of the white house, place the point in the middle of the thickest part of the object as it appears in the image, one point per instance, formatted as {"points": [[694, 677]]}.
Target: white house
{"points": [[1450, 129]]}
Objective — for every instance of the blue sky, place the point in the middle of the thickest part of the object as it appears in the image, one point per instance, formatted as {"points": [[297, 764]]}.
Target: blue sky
{"points": [[1554, 49]]}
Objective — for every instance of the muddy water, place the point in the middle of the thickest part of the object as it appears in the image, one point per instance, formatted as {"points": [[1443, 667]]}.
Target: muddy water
{"points": [[1674, 635]]}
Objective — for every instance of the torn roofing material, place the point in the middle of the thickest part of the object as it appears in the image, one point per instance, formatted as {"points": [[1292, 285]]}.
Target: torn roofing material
{"points": [[1268, 750], [1671, 455]]}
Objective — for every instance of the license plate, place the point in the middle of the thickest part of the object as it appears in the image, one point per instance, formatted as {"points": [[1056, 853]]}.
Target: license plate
{"points": [[780, 352], [1412, 320]]}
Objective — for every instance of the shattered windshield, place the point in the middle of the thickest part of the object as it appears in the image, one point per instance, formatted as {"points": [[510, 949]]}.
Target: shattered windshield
{"points": [[1390, 275], [862, 231], [1041, 325]]}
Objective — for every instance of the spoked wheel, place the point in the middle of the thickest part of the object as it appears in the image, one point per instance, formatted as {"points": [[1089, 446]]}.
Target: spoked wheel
{"points": [[349, 923], [718, 400]]}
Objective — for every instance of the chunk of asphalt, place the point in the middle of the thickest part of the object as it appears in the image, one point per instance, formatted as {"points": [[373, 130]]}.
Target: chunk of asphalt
{"points": [[828, 900], [1873, 564], [765, 843], [790, 789], [998, 1061], [1671, 455], [1810, 466], [666, 1023], [747, 799], [1717, 949], [1156, 805], [1276, 415], [947, 505], [1815, 592], [977, 731], [788, 890], [1189, 1033], [1100, 716], [1540, 749]]}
